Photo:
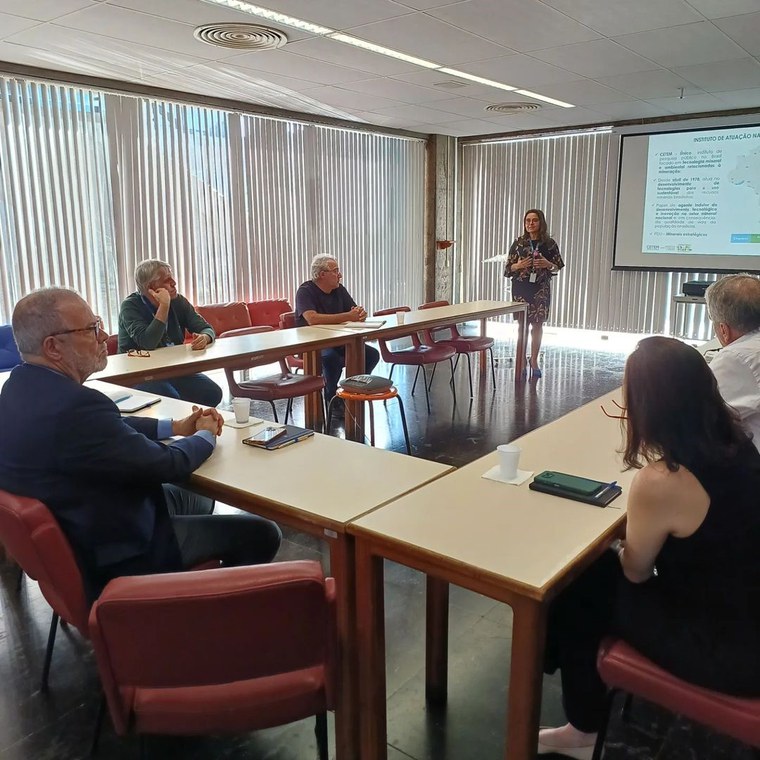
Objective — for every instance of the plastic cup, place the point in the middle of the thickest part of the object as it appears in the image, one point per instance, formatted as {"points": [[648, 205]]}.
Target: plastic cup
{"points": [[509, 458], [242, 409], [400, 317]]}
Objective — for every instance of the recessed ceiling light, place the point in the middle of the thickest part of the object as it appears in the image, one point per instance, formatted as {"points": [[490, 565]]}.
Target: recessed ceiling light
{"points": [[553, 101], [280, 18], [479, 80], [357, 42]]}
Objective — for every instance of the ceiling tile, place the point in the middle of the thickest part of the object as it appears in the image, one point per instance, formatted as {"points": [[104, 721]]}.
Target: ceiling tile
{"points": [[132, 26], [379, 119], [192, 12], [683, 45], [723, 8], [226, 72], [632, 109], [465, 127], [743, 29], [740, 98], [402, 91], [426, 37], [96, 55], [728, 75], [520, 71], [349, 99], [597, 58], [297, 66], [520, 122], [613, 18], [689, 104], [583, 92], [10, 25], [43, 10], [338, 14], [522, 25], [418, 114], [645, 85], [465, 107], [423, 5], [346, 55]]}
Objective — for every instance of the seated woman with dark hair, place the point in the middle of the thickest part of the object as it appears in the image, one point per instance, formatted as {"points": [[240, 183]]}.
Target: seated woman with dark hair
{"points": [[684, 586]]}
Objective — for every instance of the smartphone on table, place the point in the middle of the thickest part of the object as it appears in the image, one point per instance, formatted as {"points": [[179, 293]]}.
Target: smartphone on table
{"points": [[265, 436]]}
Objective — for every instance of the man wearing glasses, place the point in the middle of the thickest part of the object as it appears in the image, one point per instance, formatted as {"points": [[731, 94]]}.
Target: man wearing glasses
{"points": [[322, 300], [155, 316], [102, 475]]}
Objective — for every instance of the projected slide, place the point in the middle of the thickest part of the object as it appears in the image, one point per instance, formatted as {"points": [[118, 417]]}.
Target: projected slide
{"points": [[703, 193], [689, 200]]}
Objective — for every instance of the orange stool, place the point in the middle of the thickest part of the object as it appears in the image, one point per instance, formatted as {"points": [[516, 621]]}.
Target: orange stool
{"points": [[383, 395]]}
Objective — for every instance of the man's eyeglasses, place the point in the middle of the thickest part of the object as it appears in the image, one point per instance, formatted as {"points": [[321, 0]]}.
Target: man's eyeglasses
{"points": [[95, 328], [333, 271], [623, 416], [139, 353]]}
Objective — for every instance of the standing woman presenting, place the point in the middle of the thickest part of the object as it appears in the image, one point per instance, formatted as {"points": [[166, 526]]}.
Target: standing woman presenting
{"points": [[532, 259]]}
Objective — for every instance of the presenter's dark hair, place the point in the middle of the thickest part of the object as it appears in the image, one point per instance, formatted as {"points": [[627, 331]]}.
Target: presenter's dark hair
{"points": [[674, 411], [543, 229]]}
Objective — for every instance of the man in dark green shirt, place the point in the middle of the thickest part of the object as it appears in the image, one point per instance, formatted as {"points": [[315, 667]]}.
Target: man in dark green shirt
{"points": [[156, 316]]}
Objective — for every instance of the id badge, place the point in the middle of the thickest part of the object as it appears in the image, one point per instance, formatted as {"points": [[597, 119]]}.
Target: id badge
{"points": [[532, 277]]}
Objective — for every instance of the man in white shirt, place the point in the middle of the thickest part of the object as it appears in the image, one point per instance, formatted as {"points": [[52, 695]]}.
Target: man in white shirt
{"points": [[733, 303]]}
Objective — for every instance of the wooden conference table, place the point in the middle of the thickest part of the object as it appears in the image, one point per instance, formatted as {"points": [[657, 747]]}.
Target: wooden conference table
{"points": [[422, 319], [318, 486], [507, 542], [240, 351]]}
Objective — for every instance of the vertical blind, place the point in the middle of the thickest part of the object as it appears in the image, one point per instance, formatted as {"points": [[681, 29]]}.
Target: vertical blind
{"points": [[572, 178], [91, 183]]}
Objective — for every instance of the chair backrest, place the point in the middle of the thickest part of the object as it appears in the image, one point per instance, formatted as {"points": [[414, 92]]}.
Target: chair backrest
{"points": [[427, 335], [264, 630], [9, 355], [392, 310], [112, 344], [225, 316], [33, 538], [268, 312], [433, 304], [229, 372]]}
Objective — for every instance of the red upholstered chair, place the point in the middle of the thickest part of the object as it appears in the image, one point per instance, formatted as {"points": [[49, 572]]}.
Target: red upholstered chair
{"points": [[268, 312], [224, 317], [34, 539], [462, 344], [112, 344], [257, 649], [288, 320], [417, 355], [622, 668], [285, 385]]}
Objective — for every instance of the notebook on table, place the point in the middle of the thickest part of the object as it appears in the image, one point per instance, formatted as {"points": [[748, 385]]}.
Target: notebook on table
{"points": [[128, 401]]}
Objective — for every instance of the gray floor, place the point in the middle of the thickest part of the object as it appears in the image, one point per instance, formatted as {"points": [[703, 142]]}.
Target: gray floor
{"points": [[58, 725]]}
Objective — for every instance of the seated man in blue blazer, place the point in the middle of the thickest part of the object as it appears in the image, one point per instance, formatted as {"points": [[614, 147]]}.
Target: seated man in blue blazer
{"points": [[102, 475]]}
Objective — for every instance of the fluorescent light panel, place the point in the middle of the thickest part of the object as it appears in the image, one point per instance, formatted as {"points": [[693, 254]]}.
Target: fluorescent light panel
{"points": [[536, 96], [479, 80], [280, 18], [357, 42], [347, 39]]}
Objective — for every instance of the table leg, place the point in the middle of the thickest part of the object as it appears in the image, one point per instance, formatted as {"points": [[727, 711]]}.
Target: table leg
{"points": [[437, 640], [526, 677], [355, 409], [313, 412], [342, 568], [522, 342], [370, 627]]}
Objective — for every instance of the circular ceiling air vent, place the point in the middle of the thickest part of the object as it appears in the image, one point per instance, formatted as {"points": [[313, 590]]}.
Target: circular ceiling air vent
{"points": [[513, 107], [240, 36]]}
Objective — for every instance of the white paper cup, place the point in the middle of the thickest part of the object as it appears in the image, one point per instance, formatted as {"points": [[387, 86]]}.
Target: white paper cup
{"points": [[242, 409], [400, 317], [509, 458]]}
